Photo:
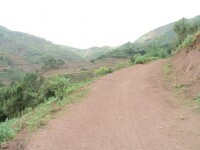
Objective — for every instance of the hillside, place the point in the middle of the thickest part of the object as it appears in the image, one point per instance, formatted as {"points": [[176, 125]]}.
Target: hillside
{"points": [[33, 49], [158, 42], [21, 53], [186, 69], [92, 52], [164, 33]]}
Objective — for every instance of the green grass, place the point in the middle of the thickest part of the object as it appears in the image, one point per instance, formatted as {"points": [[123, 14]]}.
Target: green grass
{"points": [[167, 77], [40, 115], [122, 65], [6, 131], [103, 71], [189, 40], [80, 76], [142, 59], [12, 74], [197, 98], [179, 86], [167, 69]]}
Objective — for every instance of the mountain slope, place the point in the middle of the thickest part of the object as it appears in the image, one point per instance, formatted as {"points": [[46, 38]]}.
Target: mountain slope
{"points": [[22, 53], [92, 52], [165, 32], [159, 40], [33, 49]]}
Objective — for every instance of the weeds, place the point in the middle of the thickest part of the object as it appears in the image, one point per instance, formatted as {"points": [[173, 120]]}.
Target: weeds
{"points": [[103, 71], [33, 118], [179, 86], [6, 131], [138, 59], [123, 65], [167, 68], [197, 98], [142, 59], [189, 40]]}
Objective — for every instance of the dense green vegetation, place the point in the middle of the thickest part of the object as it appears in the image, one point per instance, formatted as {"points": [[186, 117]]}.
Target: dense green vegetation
{"points": [[31, 91], [20, 95], [103, 71], [53, 63], [33, 94], [165, 33], [158, 43], [155, 49], [124, 51], [186, 31]]}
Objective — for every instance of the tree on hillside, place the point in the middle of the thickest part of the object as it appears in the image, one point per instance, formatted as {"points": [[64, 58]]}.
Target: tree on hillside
{"points": [[180, 28], [53, 63], [194, 26]]}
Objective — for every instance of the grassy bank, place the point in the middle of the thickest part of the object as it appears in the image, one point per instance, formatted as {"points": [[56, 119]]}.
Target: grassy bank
{"points": [[35, 117]]}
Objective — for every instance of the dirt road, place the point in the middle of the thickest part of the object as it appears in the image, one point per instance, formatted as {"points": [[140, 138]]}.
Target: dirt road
{"points": [[126, 110]]}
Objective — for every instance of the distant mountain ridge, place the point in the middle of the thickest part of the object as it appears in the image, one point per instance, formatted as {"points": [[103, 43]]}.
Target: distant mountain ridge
{"points": [[22, 53], [166, 32], [163, 33], [33, 48]]}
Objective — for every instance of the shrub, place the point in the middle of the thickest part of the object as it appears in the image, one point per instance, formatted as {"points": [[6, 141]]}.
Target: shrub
{"points": [[179, 86], [1, 84], [103, 71], [20, 95], [92, 61], [158, 52], [6, 132], [138, 59], [188, 41], [35, 111], [52, 63], [197, 98], [55, 87]]}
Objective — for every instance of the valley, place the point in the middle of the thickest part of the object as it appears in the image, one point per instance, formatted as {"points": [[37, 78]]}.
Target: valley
{"points": [[138, 95]]}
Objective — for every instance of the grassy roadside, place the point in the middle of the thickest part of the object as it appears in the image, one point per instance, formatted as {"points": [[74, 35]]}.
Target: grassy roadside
{"points": [[34, 118]]}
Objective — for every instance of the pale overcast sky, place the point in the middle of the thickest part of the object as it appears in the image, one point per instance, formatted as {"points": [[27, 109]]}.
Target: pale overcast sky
{"points": [[86, 23]]}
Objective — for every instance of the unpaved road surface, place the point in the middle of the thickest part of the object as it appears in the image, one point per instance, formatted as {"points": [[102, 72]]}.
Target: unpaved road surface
{"points": [[126, 110]]}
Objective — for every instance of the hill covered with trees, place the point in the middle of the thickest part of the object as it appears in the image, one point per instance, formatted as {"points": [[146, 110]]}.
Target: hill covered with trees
{"points": [[159, 42]]}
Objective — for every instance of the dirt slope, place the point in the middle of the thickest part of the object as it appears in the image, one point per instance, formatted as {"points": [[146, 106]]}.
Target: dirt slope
{"points": [[124, 110], [186, 68]]}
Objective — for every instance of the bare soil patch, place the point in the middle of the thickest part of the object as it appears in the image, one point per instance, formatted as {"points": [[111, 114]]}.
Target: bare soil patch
{"points": [[186, 70]]}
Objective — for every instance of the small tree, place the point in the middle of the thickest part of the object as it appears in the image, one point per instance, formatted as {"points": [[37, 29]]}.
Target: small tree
{"points": [[181, 29]]}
